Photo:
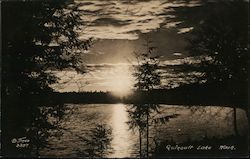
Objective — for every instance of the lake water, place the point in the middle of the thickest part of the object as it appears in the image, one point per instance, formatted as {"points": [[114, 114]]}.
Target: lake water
{"points": [[192, 123]]}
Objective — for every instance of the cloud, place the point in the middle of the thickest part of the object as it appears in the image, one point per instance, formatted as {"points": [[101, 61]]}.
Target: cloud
{"points": [[99, 77], [106, 76], [180, 61], [125, 19], [185, 30], [177, 54], [171, 24]]}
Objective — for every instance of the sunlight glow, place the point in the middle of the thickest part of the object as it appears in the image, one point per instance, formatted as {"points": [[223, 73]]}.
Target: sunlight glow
{"points": [[121, 83]]}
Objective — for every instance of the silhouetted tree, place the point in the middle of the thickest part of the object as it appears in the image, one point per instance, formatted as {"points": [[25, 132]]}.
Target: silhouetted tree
{"points": [[137, 120], [220, 39], [147, 77], [146, 71], [98, 141], [38, 36], [223, 38]]}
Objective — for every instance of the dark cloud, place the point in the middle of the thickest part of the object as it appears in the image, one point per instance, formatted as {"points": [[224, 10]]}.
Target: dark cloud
{"points": [[86, 3], [110, 21]]}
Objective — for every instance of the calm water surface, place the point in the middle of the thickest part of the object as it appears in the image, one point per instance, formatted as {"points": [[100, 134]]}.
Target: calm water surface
{"points": [[193, 123]]}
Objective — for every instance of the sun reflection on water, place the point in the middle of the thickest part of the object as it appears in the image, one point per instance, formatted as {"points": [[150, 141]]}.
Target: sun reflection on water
{"points": [[122, 142]]}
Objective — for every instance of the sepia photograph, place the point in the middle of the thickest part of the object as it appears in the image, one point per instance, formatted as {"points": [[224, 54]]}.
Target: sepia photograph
{"points": [[124, 78]]}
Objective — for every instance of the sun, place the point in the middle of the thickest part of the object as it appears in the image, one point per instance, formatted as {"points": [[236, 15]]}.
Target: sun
{"points": [[122, 81]]}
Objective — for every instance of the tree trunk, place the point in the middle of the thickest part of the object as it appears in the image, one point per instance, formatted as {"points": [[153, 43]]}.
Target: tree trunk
{"points": [[247, 113], [140, 140], [235, 121], [147, 135]]}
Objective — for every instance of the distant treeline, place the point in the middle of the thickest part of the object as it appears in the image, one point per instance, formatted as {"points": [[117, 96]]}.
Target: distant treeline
{"points": [[194, 94]]}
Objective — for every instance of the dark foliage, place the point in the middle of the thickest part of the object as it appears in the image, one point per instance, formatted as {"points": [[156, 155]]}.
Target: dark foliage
{"points": [[222, 36], [147, 78], [37, 37], [220, 39], [146, 73]]}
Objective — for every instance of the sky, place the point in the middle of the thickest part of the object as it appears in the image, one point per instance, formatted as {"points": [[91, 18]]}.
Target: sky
{"points": [[127, 19], [120, 28], [126, 24]]}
